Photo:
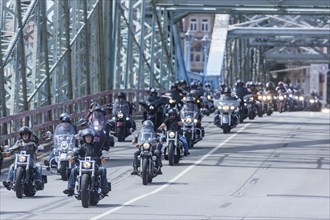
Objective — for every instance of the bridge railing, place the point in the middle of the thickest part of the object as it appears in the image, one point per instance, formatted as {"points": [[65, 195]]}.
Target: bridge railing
{"points": [[46, 118]]}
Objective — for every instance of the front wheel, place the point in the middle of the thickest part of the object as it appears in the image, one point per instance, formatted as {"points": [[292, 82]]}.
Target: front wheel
{"points": [[171, 154], [145, 171], [226, 128], [85, 192], [121, 134], [19, 186], [65, 171]]}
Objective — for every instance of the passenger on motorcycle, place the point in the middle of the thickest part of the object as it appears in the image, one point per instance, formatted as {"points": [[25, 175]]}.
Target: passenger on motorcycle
{"points": [[88, 149], [65, 122], [173, 122], [147, 127], [28, 144]]}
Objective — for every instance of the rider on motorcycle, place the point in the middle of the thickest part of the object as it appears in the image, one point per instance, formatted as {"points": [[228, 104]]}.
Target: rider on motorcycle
{"points": [[28, 144], [281, 88], [147, 127], [88, 149], [122, 104], [173, 122], [65, 121]]}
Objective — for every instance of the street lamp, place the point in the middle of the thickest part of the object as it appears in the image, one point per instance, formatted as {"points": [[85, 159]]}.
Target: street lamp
{"points": [[187, 38], [206, 41]]}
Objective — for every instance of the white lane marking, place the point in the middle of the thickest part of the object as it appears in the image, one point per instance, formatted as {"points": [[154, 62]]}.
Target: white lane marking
{"points": [[172, 180]]}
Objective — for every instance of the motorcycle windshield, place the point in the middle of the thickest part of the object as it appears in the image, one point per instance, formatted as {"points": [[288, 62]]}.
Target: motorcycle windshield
{"points": [[188, 111], [146, 136], [121, 106], [64, 135], [97, 119], [234, 103]]}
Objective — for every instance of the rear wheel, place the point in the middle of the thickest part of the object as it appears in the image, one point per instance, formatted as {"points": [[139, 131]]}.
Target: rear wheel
{"points": [[19, 186], [85, 193]]}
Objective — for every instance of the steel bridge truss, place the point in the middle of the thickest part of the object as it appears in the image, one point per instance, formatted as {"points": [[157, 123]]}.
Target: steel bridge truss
{"points": [[55, 50]]}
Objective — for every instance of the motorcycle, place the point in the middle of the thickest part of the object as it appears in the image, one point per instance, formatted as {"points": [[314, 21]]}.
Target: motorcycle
{"points": [[249, 108], [88, 183], [227, 115], [267, 103], [314, 104], [281, 102], [120, 123], [24, 176], [147, 158], [63, 150], [299, 102], [192, 133], [173, 150]]}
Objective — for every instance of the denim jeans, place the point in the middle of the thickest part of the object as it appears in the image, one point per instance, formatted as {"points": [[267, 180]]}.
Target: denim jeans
{"points": [[100, 171], [36, 168], [181, 138]]}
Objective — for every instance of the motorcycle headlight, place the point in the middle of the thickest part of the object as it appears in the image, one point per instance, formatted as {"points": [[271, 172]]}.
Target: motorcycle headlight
{"points": [[226, 107], [269, 97], [198, 101], [188, 120], [301, 98], [120, 115], [260, 97], [171, 134], [209, 97], [151, 107], [22, 159], [64, 145], [219, 107], [146, 146], [264, 98], [172, 101], [87, 165], [232, 107], [281, 98], [296, 97], [195, 121], [311, 101]]}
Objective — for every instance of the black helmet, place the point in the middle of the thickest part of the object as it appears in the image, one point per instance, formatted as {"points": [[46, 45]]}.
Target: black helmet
{"points": [[182, 82], [121, 95], [173, 111], [227, 90], [177, 83], [86, 132], [65, 117], [239, 82], [148, 123], [153, 90], [193, 85], [270, 85], [25, 130], [173, 86]]}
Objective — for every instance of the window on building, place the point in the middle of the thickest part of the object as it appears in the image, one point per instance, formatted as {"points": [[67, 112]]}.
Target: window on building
{"points": [[193, 24], [205, 24]]}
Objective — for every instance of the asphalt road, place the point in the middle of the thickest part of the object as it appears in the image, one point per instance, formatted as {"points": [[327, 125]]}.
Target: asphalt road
{"points": [[274, 167]]}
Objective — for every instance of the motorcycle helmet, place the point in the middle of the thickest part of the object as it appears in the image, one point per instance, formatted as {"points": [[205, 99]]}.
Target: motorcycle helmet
{"points": [[183, 82], [280, 84], [193, 85], [65, 117], [87, 132], [240, 83], [148, 123], [93, 105], [173, 112], [98, 108], [25, 130], [173, 86], [153, 92], [121, 95]]}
